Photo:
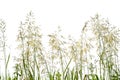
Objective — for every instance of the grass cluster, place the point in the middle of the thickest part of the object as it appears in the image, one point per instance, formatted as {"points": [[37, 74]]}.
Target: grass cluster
{"points": [[94, 56]]}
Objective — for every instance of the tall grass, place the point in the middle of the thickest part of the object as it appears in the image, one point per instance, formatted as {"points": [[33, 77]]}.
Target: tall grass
{"points": [[3, 46], [66, 59]]}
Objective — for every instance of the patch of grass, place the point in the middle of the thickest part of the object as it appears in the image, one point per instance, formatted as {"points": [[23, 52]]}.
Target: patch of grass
{"points": [[36, 63]]}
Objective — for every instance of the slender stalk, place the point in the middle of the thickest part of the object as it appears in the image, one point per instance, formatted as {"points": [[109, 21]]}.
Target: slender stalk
{"points": [[3, 42], [5, 60]]}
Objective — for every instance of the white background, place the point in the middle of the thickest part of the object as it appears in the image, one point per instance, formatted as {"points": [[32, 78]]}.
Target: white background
{"points": [[69, 14]]}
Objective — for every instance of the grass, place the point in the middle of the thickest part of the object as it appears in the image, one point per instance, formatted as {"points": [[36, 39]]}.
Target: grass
{"points": [[66, 59]]}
